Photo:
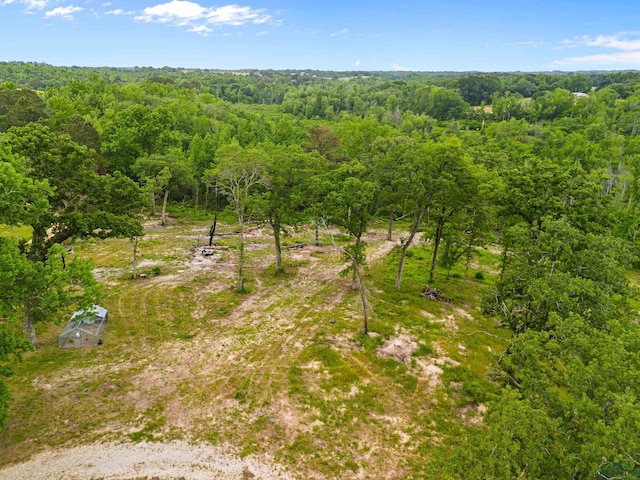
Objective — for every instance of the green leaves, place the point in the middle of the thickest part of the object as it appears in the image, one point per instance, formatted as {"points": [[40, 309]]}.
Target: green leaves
{"points": [[575, 358], [22, 199], [522, 441], [237, 174], [134, 132], [51, 184], [585, 377], [164, 171], [564, 271], [351, 202], [37, 291], [71, 198], [18, 107]]}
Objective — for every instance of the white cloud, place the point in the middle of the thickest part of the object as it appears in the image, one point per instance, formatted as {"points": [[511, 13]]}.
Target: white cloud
{"points": [[628, 59], [625, 46], [619, 41], [236, 15], [30, 4], [119, 11], [196, 17], [264, 32], [63, 12], [399, 68], [344, 31], [530, 43], [357, 64], [176, 10], [201, 30]]}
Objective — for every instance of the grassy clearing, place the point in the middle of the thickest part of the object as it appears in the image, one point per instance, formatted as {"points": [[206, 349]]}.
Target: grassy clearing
{"points": [[283, 369], [12, 231]]}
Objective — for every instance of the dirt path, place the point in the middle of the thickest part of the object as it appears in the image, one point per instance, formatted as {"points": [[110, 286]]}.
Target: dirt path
{"points": [[162, 461]]}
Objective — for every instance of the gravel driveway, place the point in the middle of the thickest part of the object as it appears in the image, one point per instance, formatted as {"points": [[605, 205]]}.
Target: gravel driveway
{"points": [[175, 460]]}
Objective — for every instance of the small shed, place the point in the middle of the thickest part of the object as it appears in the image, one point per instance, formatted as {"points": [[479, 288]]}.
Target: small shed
{"points": [[85, 328]]}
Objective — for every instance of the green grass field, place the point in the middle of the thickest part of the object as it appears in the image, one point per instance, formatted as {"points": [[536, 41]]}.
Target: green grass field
{"points": [[20, 232]]}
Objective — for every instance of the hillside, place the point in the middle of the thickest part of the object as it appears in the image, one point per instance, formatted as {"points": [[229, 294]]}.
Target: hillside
{"points": [[282, 372]]}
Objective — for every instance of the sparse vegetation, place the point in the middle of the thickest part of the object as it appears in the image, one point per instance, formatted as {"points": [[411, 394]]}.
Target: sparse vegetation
{"points": [[285, 358]]}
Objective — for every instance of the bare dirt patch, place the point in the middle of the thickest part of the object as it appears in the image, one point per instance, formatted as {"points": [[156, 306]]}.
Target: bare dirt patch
{"points": [[431, 370], [472, 414], [122, 461], [399, 348]]}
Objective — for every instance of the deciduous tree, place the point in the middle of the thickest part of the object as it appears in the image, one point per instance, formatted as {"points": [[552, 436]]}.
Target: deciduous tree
{"points": [[288, 170], [77, 202], [239, 172]]}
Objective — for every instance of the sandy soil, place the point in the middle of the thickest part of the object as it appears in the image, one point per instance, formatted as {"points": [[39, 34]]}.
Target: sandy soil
{"points": [[161, 461]]}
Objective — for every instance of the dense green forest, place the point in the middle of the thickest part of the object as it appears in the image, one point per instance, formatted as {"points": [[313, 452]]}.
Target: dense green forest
{"points": [[540, 168]]}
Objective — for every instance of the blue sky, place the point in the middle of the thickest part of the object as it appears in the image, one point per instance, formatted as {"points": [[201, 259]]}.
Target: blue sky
{"points": [[462, 35]]}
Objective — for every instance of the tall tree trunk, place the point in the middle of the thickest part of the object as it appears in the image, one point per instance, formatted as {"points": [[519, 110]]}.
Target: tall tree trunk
{"points": [[212, 230], [500, 231], [29, 327], [360, 282], [38, 250], [153, 203], [354, 283], [275, 225], [135, 257], [240, 285], [467, 263], [363, 299], [414, 229], [435, 247], [469, 251], [505, 258], [390, 230], [164, 206]]}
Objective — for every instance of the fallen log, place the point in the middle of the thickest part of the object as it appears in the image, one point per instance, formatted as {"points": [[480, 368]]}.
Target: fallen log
{"points": [[297, 245], [433, 294], [236, 232]]}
